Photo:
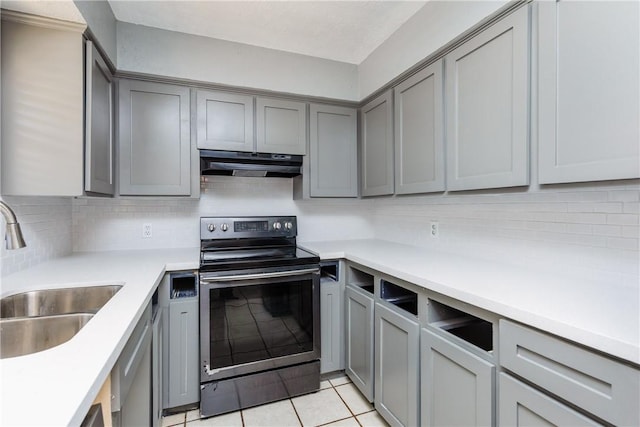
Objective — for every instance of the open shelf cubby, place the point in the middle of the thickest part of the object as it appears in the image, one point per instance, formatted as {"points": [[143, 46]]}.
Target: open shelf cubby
{"points": [[361, 279], [465, 326], [400, 297]]}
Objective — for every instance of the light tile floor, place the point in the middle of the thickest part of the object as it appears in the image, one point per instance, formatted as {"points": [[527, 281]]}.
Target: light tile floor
{"points": [[338, 404]]}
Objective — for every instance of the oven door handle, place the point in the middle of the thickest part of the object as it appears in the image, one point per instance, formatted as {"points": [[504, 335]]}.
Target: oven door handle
{"points": [[242, 277]]}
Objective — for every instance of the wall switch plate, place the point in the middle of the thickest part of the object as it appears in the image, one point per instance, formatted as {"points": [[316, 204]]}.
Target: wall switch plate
{"points": [[434, 230], [147, 230]]}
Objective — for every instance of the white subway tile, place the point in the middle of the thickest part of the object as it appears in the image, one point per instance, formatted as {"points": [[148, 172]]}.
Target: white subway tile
{"points": [[623, 219], [607, 230], [622, 243], [631, 195]]}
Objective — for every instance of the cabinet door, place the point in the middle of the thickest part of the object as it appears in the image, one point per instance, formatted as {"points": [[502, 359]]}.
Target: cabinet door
{"points": [[42, 107], [184, 357], [419, 133], [331, 325], [136, 409], [589, 80], [396, 367], [333, 155], [358, 324], [157, 349], [487, 92], [457, 386], [98, 162], [377, 146], [155, 146], [281, 126], [521, 405], [225, 121]]}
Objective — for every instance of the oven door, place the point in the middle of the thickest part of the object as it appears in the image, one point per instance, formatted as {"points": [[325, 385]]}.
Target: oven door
{"points": [[253, 321]]}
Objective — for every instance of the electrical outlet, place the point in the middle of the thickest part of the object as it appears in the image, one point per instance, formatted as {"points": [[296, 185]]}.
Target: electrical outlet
{"points": [[434, 230], [147, 230]]}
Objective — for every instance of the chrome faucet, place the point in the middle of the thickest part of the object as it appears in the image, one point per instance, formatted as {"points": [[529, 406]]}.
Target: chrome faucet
{"points": [[13, 237]]}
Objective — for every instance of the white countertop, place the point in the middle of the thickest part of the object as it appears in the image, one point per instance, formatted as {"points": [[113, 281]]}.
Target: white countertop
{"points": [[601, 315], [56, 387]]}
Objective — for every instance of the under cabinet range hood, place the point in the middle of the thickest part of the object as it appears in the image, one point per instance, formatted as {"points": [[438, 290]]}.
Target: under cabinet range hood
{"points": [[214, 162]]}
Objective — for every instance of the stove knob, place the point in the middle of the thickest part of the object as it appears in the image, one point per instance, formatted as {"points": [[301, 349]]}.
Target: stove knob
{"points": [[277, 225], [288, 225], [224, 227], [211, 228]]}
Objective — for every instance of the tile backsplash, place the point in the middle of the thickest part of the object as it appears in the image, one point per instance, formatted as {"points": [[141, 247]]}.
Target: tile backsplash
{"points": [[46, 226], [584, 227], [109, 224], [590, 228]]}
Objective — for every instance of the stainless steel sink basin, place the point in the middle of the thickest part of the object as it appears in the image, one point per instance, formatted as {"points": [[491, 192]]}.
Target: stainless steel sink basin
{"points": [[27, 335], [50, 302]]}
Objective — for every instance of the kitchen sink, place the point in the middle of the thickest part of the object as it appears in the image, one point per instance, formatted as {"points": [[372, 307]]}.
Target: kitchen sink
{"points": [[49, 302], [26, 335]]}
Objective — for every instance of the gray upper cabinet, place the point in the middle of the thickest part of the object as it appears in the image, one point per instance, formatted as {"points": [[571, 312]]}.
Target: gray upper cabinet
{"points": [[42, 106], [224, 121], [589, 80], [377, 146], [333, 151], [487, 113], [457, 385], [99, 148], [154, 145], [397, 366], [419, 133], [281, 126]]}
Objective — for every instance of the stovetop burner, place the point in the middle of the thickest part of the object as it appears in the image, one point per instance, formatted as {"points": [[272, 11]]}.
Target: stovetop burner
{"points": [[232, 243]]}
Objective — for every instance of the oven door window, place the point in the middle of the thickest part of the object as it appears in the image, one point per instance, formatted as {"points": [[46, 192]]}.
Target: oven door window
{"points": [[256, 322]]}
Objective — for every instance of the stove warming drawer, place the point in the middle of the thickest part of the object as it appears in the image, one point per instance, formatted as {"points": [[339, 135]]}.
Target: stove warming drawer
{"points": [[219, 397]]}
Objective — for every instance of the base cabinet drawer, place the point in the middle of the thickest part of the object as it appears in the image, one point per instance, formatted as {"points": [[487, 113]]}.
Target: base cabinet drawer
{"points": [[603, 387], [521, 405]]}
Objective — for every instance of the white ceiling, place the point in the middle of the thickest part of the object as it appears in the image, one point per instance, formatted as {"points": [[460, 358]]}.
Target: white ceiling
{"points": [[346, 31]]}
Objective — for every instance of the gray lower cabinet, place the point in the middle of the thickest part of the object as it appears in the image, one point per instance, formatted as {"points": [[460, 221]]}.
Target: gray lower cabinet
{"points": [[589, 80], [396, 366], [224, 121], [154, 139], [183, 380], [331, 324], [333, 151], [358, 350], [419, 132], [281, 126], [606, 388], [131, 377], [136, 410], [376, 125], [487, 113], [457, 386], [521, 405], [157, 363], [99, 176]]}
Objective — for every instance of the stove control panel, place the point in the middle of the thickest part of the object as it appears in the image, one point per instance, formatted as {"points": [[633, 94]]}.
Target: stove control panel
{"points": [[247, 227]]}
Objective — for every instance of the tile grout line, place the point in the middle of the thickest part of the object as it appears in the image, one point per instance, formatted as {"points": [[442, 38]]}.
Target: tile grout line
{"points": [[334, 387], [296, 412], [347, 405]]}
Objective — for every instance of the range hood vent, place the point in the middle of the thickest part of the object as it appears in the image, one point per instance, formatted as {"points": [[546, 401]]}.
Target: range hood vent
{"points": [[231, 163]]}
